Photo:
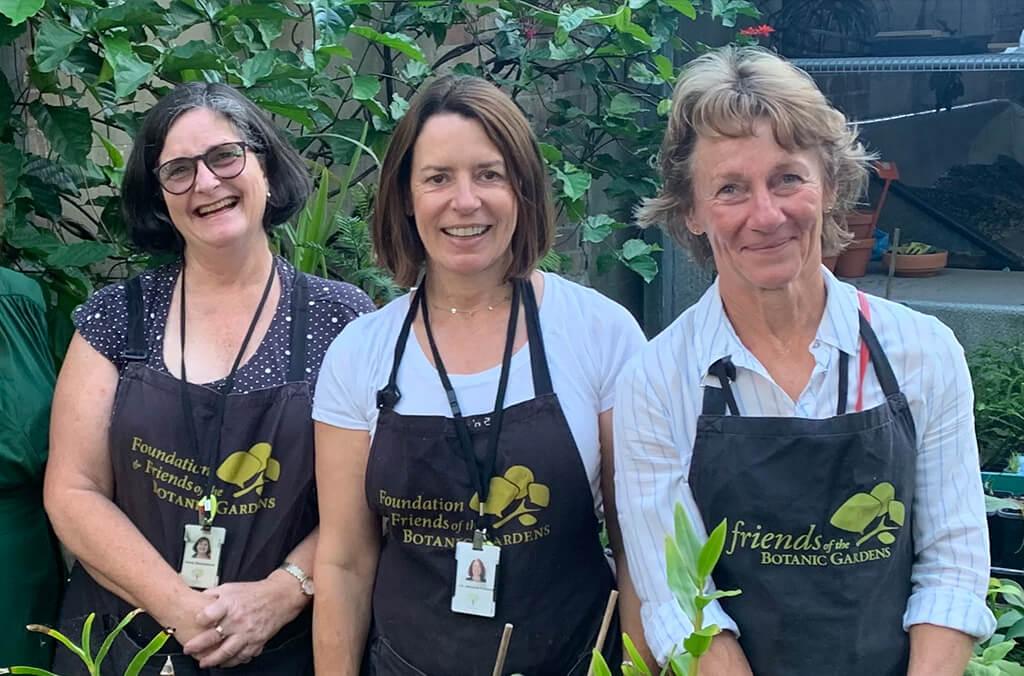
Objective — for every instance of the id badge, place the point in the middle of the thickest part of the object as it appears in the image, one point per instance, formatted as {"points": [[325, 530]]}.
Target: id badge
{"points": [[200, 561], [476, 575]]}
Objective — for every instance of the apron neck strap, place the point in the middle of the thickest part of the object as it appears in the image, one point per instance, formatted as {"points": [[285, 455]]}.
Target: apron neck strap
{"points": [[300, 321], [136, 348], [717, 399], [388, 396], [538, 355]]}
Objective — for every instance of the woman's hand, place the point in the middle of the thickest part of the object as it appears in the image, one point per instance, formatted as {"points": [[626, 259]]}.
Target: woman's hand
{"points": [[249, 614], [185, 615]]}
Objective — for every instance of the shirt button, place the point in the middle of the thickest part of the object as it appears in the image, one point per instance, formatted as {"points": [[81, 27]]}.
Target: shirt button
{"points": [[816, 344]]}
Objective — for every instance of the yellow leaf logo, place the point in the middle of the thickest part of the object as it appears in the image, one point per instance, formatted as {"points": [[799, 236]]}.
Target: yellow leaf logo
{"points": [[516, 486], [250, 470], [879, 507]]}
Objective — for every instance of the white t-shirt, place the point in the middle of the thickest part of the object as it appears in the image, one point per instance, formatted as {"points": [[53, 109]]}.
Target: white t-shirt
{"points": [[588, 339]]}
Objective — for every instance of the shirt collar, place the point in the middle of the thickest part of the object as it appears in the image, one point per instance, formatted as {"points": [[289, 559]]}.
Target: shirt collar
{"points": [[714, 336]]}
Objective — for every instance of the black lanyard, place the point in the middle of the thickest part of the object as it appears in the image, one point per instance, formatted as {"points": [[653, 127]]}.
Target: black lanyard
{"points": [[207, 507], [483, 471]]}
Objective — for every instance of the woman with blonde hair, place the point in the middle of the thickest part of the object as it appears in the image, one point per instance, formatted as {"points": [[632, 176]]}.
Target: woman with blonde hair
{"points": [[833, 431]]}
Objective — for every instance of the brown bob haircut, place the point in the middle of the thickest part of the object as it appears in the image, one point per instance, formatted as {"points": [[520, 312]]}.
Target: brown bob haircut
{"points": [[395, 239], [724, 93]]}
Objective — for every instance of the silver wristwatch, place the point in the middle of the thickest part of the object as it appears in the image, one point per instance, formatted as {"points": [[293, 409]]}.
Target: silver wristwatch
{"points": [[305, 581]]}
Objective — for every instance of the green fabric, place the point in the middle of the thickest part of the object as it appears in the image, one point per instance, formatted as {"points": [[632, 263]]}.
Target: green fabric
{"points": [[30, 572]]}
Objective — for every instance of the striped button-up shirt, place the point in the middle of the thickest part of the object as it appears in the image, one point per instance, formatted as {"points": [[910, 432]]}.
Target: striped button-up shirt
{"points": [[658, 400]]}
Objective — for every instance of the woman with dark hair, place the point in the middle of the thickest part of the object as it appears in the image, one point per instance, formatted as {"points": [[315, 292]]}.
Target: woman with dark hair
{"points": [[411, 433], [183, 406]]}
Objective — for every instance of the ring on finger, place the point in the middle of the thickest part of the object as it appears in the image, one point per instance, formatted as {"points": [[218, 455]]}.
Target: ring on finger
{"points": [[220, 631]]}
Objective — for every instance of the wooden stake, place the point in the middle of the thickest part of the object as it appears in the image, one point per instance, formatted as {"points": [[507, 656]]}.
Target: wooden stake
{"points": [[892, 262], [609, 610], [506, 637]]}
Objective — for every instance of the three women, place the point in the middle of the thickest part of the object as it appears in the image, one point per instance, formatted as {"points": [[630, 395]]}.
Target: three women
{"points": [[466, 426]]}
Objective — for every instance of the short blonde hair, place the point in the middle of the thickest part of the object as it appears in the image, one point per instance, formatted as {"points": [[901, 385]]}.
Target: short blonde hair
{"points": [[725, 93]]}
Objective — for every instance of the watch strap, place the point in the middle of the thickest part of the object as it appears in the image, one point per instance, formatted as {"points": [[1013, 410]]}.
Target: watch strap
{"points": [[305, 581]]}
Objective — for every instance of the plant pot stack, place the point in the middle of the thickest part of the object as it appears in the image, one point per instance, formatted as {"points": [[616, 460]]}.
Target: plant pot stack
{"points": [[853, 262]]}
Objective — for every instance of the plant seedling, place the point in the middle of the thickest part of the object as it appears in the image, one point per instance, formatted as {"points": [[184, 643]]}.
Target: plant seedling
{"points": [[93, 663], [689, 565]]}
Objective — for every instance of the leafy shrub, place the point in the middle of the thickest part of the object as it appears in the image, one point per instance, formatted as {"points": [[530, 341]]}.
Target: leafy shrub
{"points": [[337, 74], [998, 374]]}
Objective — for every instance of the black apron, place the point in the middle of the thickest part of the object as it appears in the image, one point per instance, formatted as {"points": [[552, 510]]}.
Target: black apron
{"points": [[268, 505], [553, 579], [819, 527]]}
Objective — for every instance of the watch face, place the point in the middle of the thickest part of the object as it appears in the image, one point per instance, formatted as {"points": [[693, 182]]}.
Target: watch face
{"points": [[307, 586]]}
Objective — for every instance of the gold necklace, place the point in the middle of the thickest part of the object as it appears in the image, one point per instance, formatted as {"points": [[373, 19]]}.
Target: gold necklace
{"points": [[469, 313]]}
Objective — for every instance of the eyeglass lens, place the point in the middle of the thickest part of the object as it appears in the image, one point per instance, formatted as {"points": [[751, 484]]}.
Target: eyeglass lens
{"points": [[225, 161]]}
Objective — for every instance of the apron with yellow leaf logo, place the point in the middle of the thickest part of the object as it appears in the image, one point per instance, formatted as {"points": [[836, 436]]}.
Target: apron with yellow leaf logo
{"points": [[819, 526], [263, 472], [553, 579]]}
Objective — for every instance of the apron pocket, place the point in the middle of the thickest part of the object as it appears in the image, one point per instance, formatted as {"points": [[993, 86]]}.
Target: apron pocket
{"points": [[384, 661]]}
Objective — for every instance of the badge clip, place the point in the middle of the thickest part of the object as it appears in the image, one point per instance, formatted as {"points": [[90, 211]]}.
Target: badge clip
{"points": [[207, 511]]}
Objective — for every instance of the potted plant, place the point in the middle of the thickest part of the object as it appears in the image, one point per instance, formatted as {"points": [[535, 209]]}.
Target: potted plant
{"points": [[917, 259]]}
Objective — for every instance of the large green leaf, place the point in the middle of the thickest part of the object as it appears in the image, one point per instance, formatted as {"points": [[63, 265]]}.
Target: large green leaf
{"points": [[267, 11], [397, 41], [54, 42], [332, 20], [19, 10], [684, 7], [11, 161], [131, 13], [624, 105], [9, 33], [68, 129], [258, 67], [194, 55], [79, 254], [575, 182], [130, 72], [365, 87], [596, 229]]}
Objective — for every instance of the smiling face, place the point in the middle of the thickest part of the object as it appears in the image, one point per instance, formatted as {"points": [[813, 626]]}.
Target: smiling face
{"points": [[462, 198], [762, 208], [216, 212]]}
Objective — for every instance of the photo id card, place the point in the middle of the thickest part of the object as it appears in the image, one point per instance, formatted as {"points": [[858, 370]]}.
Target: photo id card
{"points": [[200, 561], [476, 575]]}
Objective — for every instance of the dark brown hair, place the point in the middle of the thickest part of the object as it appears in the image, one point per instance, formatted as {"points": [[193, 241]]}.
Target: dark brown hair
{"points": [[395, 239]]}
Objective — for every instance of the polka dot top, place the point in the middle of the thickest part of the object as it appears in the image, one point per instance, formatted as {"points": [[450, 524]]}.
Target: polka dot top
{"points": [[103, 322]]}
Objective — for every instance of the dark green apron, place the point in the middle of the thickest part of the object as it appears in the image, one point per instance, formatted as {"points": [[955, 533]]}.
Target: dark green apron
{"points": [[820, 525], [553, 577], [267, 506]]}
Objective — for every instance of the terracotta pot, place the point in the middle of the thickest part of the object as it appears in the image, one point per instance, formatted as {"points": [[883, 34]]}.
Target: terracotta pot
{"points": [[860, 224], [917, 265], [853, 262], [830, 262]]}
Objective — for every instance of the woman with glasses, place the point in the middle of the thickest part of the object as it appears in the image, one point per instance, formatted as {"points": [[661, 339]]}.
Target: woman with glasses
{"points": [[182, 411]]}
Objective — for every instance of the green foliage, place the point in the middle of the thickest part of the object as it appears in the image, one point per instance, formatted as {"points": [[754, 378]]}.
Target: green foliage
{"points": [[93, 663], [916, 249], [95, 64], [689, 565], [999, 655], [997, 371]]}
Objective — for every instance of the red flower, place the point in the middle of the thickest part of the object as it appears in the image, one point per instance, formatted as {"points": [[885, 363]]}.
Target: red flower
{"points": [[763, 30]]}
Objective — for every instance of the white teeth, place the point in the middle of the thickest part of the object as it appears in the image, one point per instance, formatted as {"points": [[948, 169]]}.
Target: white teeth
{"points": [[220, 204], [471, 231]]}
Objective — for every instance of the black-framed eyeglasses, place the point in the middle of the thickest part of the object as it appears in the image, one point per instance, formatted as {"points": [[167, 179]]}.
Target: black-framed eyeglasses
{"points": [[226, 160]]}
